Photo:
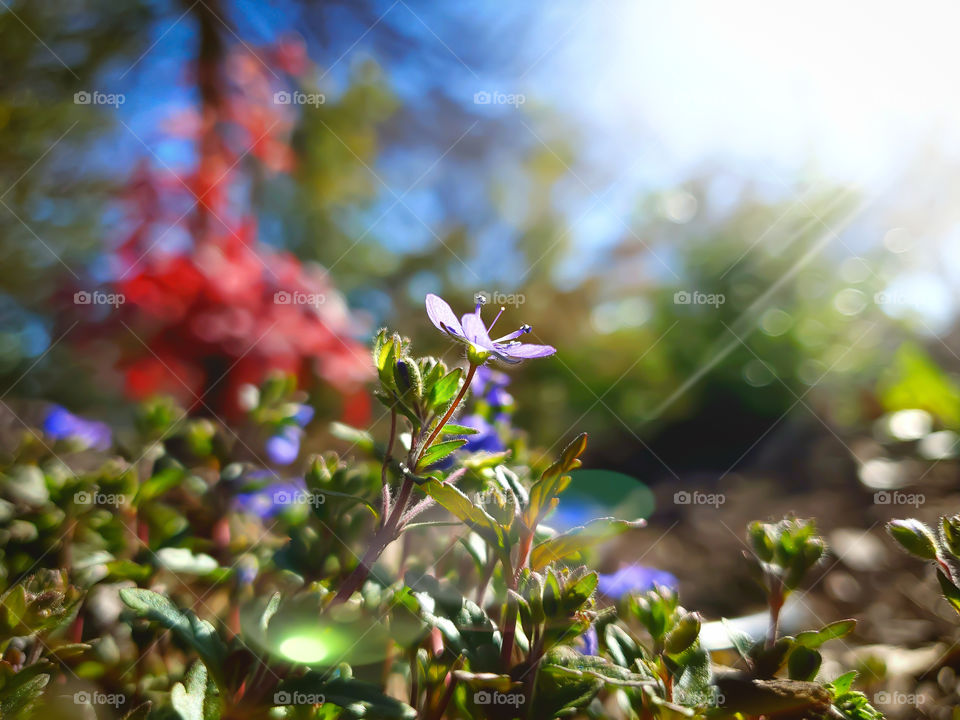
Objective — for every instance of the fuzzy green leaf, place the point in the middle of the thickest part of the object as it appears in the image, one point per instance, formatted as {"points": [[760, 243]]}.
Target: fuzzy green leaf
{"points": [[578, 539]]}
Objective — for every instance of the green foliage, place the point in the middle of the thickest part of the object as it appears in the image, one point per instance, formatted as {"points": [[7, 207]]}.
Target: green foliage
{"points": [[292, 612]]}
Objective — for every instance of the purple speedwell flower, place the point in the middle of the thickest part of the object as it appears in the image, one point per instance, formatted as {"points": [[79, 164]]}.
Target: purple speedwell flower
{"points": [[487, 438], [284, 447], [491, 387], [271, 500], [471, 331], [634, 578], [589, 642], [61, 424]]}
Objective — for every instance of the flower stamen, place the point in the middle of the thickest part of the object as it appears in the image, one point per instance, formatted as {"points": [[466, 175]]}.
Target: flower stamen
{"points": [[502, 308], [524, 329]]}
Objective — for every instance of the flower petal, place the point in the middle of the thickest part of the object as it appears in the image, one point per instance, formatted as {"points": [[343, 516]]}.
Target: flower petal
{"points": [[442, 316], [526, 350], [476, 332]]}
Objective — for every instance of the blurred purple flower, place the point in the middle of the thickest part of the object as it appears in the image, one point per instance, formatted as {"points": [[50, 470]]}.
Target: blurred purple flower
{"points": [[270, 500], [304, 415], [491, 387], [61, 424], [634, 578], [589, 642], [487, 438], [284, 447], [471, 331]]}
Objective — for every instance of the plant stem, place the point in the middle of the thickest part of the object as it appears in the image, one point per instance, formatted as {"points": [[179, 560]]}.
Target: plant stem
{"points": [[485, 580], [509, 629], [443, 421], [383, 537], [414, 679], [775, 601], [451, 684], [385, 490]]}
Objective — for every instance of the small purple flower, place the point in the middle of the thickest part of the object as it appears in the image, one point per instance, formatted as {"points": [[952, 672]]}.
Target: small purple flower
{"points": [[589, 642], [271, 500], [471, 331], [634, 578], [284, 447], [491, 386], [61, 424], [487, 438], [304, 415]]}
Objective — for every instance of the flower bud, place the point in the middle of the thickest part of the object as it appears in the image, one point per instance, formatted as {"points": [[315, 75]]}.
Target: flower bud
{"points": [[915, 537], [683, 634], [761, 541]]}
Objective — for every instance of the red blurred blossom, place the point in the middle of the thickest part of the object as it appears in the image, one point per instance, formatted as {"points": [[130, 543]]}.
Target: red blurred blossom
{"points": [[208, 307]]}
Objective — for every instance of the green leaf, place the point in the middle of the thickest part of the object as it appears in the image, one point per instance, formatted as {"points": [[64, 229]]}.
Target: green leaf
{"points": [[466, 628], [453, 429], [438, 451], [578, 539], [446, 388], [741, 642], [183, 560], [844, 683], [486, 680], [269, 611], [568, 681], [950, 591], [358, 699], [552, 482], [21, 693], [189, 697], [359, 438], [462, 507], [621, 646], [118, 570], [167, 478], [804, 663], [833, 631], [576, 594], [197, 633]]}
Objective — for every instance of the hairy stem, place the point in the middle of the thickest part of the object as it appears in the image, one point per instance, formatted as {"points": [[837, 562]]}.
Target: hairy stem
{"points": [[383, 537], [388, 456]]}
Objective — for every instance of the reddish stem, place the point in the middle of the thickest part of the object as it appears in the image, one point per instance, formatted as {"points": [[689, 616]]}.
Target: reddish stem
{"points": [[446, 417]]}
